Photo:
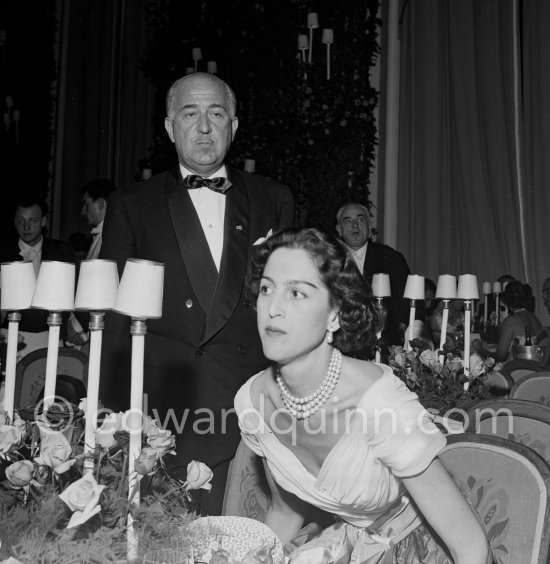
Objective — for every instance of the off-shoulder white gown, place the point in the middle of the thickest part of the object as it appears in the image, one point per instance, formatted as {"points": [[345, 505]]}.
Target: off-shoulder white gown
{"points": [[390, 436]]}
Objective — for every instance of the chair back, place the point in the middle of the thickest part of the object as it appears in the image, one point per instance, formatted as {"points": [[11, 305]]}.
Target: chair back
{"points": [[519, 367], [499, 383], [72, 370], [534, 386], [521, 421], [509, 487], [246, 491]]}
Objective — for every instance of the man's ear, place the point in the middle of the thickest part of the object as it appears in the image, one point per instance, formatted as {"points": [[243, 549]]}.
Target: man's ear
{"points": [[338, 229], [169, 128], [101, 203]]}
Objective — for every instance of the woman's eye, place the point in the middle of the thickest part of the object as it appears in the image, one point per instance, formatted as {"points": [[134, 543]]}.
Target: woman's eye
{"points": [[265, 290], [296, 294]]}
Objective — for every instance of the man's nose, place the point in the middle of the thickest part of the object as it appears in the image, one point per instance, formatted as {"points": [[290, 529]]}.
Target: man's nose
{"points": [[204, 123]]}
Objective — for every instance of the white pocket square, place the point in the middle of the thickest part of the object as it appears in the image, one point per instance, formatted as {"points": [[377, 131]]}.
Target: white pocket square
{"points": [[264, 239]]}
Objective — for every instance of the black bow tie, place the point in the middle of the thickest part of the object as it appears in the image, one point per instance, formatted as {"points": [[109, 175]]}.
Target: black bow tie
{"points": [[218, 184]]}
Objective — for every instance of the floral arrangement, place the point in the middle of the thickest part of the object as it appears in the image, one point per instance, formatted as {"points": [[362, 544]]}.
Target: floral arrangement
{"points": [[442, 387], [60, 504]]}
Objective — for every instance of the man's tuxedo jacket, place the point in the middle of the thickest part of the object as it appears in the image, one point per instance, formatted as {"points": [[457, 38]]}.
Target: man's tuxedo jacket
{"points": [[206, 344], [381, 258]]}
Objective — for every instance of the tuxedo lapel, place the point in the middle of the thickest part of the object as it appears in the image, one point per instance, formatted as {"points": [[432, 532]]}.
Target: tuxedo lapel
{"points": [[192, 242], [371, 262], [234, 257]]}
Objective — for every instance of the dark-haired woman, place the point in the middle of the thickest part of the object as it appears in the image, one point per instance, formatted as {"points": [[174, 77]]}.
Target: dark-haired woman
{"points": [[518, 297], [342, 434]]}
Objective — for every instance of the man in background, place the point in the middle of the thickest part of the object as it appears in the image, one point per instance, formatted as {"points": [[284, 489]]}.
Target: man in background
{"points": [[353, 227], [94, 206], [201, 220], [30, 220], [546, 294]]}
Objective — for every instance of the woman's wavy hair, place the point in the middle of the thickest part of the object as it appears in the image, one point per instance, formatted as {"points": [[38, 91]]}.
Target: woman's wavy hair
{"points": [[348, 290], [517, 295]]}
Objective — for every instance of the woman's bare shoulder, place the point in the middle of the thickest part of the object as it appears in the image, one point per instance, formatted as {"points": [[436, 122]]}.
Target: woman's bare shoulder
{"points": [[360, 375]]}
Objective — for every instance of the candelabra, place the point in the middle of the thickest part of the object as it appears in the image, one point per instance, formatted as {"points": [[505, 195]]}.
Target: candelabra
{"points": [[380, 290], [17, 280], [414, 290], [446, 289], [54, 292], [467, 291], [96, 293], [140, 297]]}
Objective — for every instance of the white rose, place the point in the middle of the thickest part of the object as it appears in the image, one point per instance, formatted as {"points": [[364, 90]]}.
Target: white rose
{"points": [[82, 497], [199, 476]]}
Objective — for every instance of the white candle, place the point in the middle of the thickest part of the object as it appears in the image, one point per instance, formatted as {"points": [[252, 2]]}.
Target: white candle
{"points": [[410, 329], [11, 362], [139, 296], [138, 330], [54, 322], [92, 392], [466, 360], [328, 39], [379, 333], [444, 322], [303, 45], [312, 23]]}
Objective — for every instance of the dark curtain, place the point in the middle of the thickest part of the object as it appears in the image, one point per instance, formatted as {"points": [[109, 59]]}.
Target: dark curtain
{"points": [[536, 138], [473, 133], [105, 101]]}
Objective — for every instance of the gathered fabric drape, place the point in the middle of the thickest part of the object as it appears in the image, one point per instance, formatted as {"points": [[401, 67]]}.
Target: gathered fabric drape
{"points": [[105, 101], [473, 135]]}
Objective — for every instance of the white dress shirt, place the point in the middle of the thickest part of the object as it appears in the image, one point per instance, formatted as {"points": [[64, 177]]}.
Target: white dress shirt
{"points": [[33, 253], [359, 256], [210, 208], [95, 247]]}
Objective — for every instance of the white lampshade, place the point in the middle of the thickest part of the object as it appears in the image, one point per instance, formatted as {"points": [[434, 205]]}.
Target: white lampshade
{"points": [[97, 285], [312, 20], [303, 41], [54, 289], [212, 67], [414, 289], [467, 287], [327, 37], [17, 280], [197, 53], [487, 288], [140, 291], [381, 285], [249, 165], [446, 287], [497, 288]]}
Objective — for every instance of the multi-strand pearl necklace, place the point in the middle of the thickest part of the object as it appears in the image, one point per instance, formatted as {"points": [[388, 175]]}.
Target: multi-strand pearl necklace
{"points": [[302, 408]]}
